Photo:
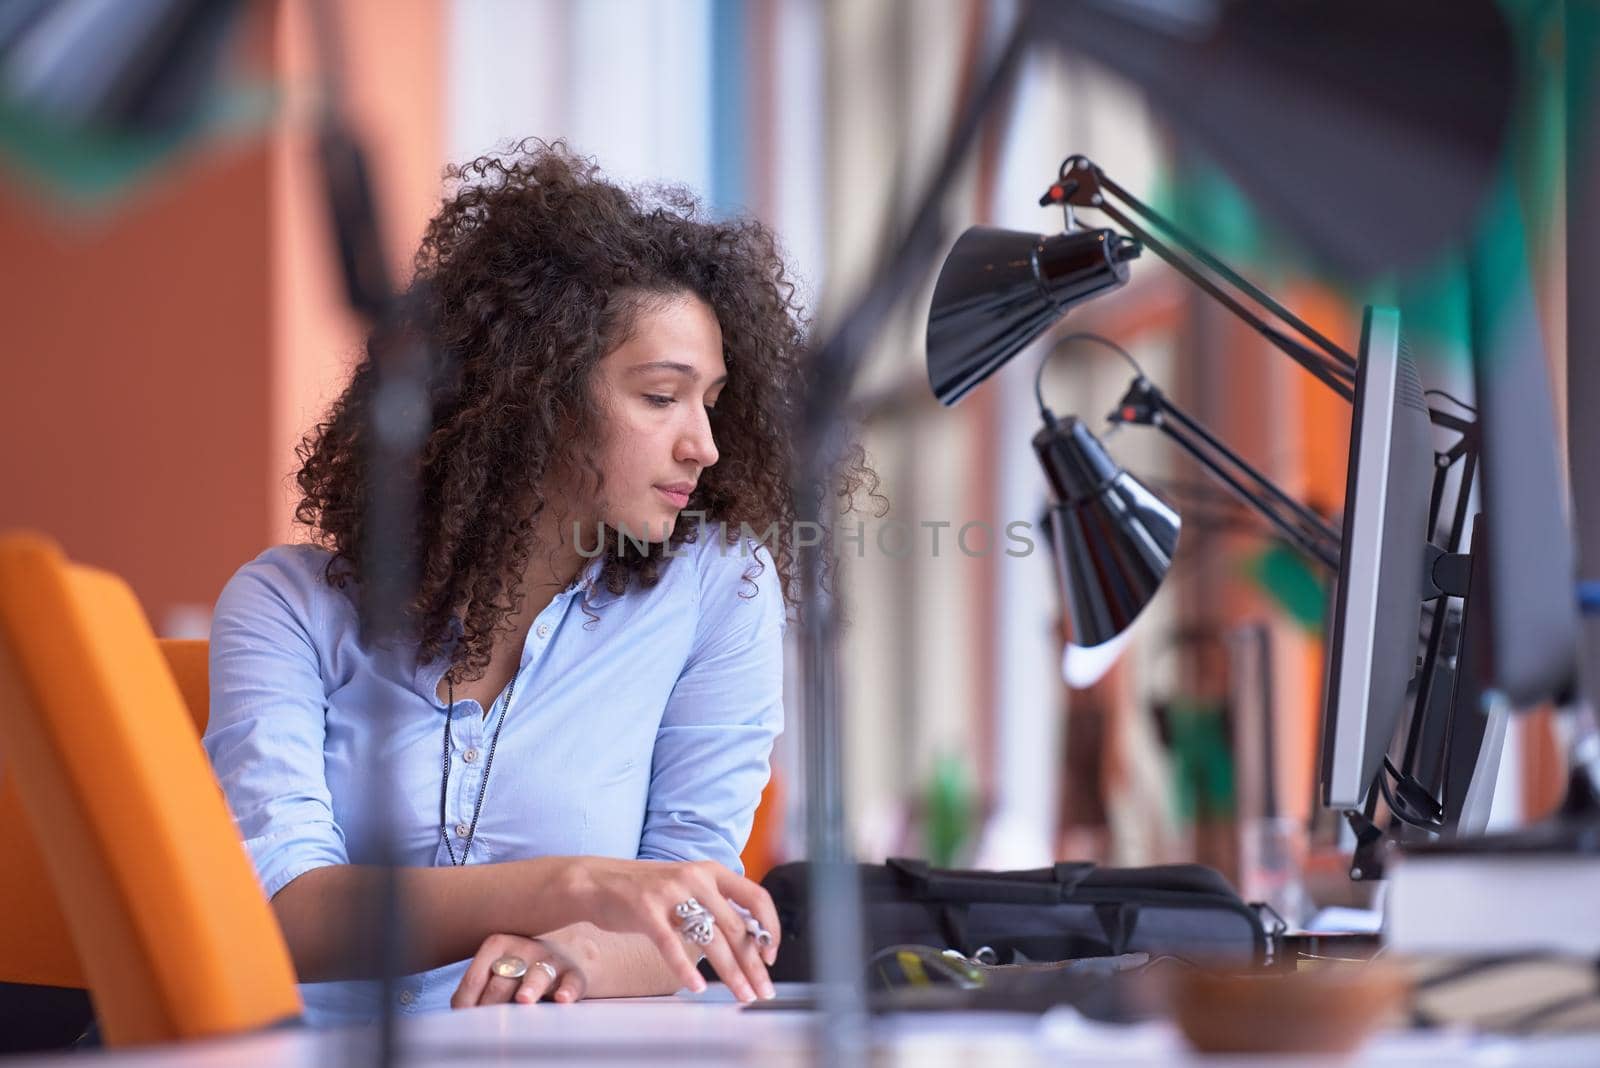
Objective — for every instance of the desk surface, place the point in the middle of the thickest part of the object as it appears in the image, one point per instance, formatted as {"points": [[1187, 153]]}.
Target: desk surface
{"points": [[711, 1028]]}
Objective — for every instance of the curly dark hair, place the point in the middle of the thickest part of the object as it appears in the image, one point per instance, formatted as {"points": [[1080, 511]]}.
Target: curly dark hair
{"points": [[534, 268]]}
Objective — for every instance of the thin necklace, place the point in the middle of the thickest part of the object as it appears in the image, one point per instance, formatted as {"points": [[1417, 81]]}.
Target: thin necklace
{"points": [[488, 765]]}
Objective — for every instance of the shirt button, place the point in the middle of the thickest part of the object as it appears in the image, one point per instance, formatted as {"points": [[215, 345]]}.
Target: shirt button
{"points": [[461, 830], [407, 997], [544, 630], [470, 756]]}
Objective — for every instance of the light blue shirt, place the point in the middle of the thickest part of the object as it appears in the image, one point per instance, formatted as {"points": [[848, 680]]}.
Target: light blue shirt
{"points": [[643, 731]]}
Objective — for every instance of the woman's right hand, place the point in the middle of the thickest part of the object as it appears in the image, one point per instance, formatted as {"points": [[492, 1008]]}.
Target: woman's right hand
{"points": [[641, 895]]}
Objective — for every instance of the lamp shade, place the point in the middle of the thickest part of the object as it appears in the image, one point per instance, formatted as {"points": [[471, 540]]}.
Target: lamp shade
{"points": [[1113, 538], [1000, 289], [1084, 666]]}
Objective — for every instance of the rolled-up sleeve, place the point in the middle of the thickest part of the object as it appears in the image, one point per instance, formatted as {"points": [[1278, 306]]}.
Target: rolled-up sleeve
{"points": [[726, 710], [267, 726]]}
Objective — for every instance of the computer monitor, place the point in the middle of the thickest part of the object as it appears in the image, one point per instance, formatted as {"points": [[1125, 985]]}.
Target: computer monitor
{"points": [[1462, 735], [1376, 622], [1517, 622], [1476, 731]]}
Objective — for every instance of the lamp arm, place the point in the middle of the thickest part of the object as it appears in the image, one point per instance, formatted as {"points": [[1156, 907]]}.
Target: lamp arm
{"points": [[1084, 184], [1146, 405], [1192, 247]]}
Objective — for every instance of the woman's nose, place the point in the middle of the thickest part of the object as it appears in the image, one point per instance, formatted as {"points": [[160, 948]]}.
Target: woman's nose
{"points": [[696, 444]]}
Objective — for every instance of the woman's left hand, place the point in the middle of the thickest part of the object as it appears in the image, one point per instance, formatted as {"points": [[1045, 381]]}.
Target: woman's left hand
{"points": [[551, 972]]}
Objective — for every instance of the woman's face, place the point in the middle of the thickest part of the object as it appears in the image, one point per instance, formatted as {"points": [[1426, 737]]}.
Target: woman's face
{"points": [[657, 389]]}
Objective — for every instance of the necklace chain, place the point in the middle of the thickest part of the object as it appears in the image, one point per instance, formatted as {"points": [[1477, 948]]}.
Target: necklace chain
{"points": [[488, 765]]}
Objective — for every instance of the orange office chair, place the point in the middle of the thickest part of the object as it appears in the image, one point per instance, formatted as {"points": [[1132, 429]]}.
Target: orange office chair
{"points": [[762, 850], [189, 660], [102, 759], [40, 951]]}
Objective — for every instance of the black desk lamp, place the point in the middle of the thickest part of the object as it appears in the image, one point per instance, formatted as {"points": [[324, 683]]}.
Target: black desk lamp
{"points": [[1112, 536], [1000, 289], [1114, 539]]}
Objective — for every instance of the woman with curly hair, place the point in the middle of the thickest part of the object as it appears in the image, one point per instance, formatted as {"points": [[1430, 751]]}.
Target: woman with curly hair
{"points": [[578, 720]]}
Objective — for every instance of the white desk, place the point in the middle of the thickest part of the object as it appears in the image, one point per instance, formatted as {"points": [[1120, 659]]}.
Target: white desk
{"points": [[711, 1029]]}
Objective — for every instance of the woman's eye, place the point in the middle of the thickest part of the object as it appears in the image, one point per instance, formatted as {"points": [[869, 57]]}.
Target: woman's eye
{"points": [[656, 400]]}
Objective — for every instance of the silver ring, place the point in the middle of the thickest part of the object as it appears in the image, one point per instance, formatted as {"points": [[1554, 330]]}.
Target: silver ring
{"points": [[752, 925], [696, 926], [549, 969], [509, 967]]}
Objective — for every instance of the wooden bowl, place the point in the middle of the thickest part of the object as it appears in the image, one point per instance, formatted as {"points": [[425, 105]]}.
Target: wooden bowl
{"points": [[1328, 1009]]}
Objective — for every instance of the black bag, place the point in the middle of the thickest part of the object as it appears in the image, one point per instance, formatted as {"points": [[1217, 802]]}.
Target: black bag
{"points": [[1065, 912]]}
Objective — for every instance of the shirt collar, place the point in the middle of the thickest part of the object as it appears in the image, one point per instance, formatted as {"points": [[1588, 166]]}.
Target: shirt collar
{"points": [[588, 587]]}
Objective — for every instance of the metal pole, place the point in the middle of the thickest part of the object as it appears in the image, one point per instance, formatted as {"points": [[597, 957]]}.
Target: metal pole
{"points": [[834, 927], [399, 423]]}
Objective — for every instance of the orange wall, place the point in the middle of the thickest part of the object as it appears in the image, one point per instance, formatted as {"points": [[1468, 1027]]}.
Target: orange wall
{"points": [[159, 362], [1317, 477], [136, 362]]}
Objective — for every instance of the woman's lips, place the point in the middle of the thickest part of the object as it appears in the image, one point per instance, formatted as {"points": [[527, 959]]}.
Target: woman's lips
{"points": [[679, 498]]}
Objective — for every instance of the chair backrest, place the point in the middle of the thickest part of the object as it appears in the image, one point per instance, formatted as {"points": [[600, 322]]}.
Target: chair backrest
{"points": [[189, 660], [40, 951], [101, 756]]}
